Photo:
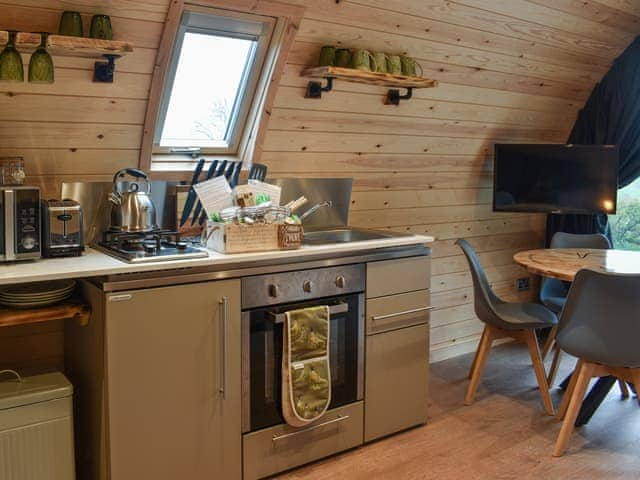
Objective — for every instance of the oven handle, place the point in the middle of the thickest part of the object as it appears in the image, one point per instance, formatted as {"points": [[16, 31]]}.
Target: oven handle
{"points": [[333, 309], [339, 418], [397, 314]]}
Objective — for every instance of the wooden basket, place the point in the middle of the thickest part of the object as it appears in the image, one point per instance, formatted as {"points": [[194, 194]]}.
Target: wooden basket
{"points": [[261, 237]]}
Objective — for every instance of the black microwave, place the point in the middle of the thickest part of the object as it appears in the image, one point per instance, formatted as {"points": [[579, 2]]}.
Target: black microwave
{"points": [[19, 223]]}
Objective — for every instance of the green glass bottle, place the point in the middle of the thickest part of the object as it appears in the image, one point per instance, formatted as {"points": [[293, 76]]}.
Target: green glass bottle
{"points": [[11, 69], [41, 68]]}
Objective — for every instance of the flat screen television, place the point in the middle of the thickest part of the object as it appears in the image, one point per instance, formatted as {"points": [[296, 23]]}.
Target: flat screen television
{"points": [[555, 178]]}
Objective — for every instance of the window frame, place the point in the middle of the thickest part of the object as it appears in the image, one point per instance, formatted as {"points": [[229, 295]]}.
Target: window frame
{"points": [[178, 167], [219, 23]]}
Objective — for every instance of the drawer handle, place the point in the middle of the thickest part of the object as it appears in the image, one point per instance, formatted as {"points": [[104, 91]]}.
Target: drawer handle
{"points": [[397, 314], [340, 418]]}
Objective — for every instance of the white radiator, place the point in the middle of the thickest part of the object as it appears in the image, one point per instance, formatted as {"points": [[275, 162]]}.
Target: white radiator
{"points": [[36, 428]]}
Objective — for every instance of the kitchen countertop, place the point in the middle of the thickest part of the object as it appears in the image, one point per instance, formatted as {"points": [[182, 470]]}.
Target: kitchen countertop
{"points": [[94, 263]]}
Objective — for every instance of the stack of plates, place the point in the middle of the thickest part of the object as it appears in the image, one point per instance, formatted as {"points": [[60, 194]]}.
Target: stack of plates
{"points": [[38, 294]]}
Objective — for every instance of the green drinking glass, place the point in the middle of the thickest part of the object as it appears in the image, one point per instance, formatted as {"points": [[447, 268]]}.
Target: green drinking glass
{"points": [[11, 69], [101, 27], [41, 65], [71, 24]]}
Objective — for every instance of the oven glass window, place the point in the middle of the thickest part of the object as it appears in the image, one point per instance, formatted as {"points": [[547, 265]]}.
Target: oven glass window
{"points": [[265, 354]]}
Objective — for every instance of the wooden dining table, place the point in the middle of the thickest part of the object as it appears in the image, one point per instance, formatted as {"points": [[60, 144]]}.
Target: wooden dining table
{"points": [[564, 264]]}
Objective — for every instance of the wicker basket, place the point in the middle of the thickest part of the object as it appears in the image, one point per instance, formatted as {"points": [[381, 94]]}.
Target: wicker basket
{"points": [[244, 238]]}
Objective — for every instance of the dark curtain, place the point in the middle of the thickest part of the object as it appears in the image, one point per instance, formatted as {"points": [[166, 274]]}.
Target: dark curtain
{"points": [[610, 116]]}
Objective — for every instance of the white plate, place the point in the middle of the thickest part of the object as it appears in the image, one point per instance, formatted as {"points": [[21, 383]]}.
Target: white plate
{"points": [[38, 288]]}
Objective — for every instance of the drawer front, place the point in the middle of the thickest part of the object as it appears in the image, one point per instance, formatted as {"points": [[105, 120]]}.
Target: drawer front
{"points": [[398, 311], [390, 277], [280, 448], [397, 381]]}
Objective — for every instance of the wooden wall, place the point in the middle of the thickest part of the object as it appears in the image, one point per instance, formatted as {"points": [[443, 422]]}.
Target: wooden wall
{"points": [[514, 70]]}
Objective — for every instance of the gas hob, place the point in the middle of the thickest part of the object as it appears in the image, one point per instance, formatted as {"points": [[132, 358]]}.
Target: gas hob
{"points": [[144, 247]]}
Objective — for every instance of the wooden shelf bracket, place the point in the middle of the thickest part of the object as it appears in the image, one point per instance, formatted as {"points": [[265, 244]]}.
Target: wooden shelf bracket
{"points": [[315, 89]]}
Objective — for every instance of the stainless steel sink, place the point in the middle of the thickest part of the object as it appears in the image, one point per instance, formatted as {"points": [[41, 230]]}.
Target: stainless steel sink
{"points": [[343, 235]]}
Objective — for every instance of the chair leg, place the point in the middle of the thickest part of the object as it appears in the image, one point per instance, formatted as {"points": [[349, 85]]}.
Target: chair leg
{"points": [[475, 358], [566, 398], [551, 340], [478, 367], [538, 366], [555, 363], [583, 375], [624, 389]]}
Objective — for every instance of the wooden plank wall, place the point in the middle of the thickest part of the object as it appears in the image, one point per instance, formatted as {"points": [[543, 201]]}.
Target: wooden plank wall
{"points": [[515, 70]]}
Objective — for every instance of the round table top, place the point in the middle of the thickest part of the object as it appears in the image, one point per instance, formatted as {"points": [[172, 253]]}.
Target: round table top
{"points": [[564, 263]]}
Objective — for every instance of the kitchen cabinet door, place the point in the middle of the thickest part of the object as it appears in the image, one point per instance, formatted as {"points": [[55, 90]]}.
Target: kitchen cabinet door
{"points": [[396, 381], [173, 382]]}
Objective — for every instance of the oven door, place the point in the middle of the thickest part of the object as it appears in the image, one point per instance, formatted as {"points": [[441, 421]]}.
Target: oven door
{"points": [[262, 358]]}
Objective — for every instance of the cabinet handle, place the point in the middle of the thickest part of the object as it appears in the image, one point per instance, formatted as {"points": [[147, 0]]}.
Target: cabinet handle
{"points": [[397, 314], [340, 418], [224, 306]]}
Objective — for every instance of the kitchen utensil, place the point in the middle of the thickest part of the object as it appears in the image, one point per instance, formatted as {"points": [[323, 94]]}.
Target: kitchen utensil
{"points": [[101, 27], [258, 171], [62, 228], [363, 60], [135, 212], [296, 204], [70, 24], [198, 210], [381, 59], [191, 196], [11, 69], [410, 66], [343, 58], [234, 174], [12, 171], [394, 64], [327, 56], [41, 68]]}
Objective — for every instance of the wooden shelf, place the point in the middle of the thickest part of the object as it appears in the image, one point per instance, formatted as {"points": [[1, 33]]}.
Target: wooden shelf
{"points": [[70, 46], [67, 310], [371, 78], [394, 82]]}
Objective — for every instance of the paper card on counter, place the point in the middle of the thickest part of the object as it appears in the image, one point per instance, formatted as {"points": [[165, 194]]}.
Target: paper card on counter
{"points": [[214, 194], [274, 191]]}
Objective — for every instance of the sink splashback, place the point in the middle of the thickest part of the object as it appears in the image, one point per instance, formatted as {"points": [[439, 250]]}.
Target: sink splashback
{"points": [[317, 190]]}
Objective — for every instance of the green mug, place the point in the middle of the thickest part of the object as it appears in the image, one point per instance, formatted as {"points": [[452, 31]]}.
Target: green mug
{"points": [[410, 66], [363, 60], [101, 27], [70, 24], [327, 56], [394, 64], [381, 59], [343, 57]]}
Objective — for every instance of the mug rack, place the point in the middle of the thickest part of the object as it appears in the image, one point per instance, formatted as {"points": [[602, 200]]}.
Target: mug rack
{"points": [[107, 51], [396, 82]]}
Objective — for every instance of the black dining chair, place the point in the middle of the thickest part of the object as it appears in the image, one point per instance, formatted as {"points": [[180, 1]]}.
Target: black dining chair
{"points": [[518, 321], [599, 326]]}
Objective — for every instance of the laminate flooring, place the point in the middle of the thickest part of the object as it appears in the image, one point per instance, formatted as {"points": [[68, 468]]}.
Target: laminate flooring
{"points": [[504, 435]]}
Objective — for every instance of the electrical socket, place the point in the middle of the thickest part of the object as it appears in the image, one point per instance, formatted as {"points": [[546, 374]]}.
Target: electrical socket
{"points": [[522, 284]]}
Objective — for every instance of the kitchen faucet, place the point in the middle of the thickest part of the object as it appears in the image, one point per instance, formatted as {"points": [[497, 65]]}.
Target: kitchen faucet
{"points": [[315, 208]]}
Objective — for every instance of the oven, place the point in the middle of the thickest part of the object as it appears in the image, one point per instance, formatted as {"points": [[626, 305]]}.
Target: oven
{"points": [[265, 299]]}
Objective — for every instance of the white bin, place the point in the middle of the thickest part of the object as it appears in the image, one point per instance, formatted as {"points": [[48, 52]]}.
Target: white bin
{"points": [[36, 428]]}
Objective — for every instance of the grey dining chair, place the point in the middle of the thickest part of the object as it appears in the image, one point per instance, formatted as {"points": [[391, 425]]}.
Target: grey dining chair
{"points": [[505, 320], [553, 292], [599, 326]]}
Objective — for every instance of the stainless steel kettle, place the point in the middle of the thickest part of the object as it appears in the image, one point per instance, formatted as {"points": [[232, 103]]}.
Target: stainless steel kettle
{"points": [[132, 210]]}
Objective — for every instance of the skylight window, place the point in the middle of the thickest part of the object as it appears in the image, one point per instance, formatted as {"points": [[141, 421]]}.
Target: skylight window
{"points": [[212, 81]]}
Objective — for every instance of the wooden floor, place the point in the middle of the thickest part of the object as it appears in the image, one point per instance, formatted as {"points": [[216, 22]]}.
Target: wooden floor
{"points": [[504, 435]]}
